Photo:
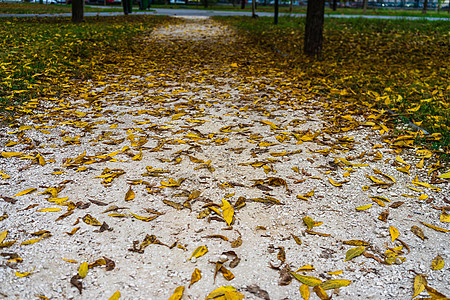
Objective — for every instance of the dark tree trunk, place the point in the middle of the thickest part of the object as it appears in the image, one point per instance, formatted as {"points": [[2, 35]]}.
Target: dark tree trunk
{"points": [[77, 11], [425, 4], [254, 9], [126, 6], [314, 27], [242, 4], [290, 5], [205, 3], [275, 21], [366, 3], [334, 5]]}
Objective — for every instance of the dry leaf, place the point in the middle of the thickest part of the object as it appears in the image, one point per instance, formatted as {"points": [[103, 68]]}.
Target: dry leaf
{"points": [[196, 276], [177, 294], [200, 251], [354, 252], [437, 263]]}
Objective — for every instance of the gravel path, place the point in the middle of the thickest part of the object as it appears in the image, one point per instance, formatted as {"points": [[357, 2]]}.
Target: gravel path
{"points": [[159, 159]]}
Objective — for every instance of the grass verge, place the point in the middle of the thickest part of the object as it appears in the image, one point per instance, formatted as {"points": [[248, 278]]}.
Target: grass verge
{"points": [[392, 64]]}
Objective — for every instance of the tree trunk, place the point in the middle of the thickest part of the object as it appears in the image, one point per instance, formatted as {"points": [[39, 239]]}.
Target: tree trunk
{"points": [[314, 27], [290, 5], [126, 6], [77, 11], [242, 4], [254, 9], [366, 3], [334, 5], [425, 4], [205, 3], [275, 17]]}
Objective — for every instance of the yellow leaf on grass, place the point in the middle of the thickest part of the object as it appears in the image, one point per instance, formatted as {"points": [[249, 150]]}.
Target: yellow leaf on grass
{"points": [[225, 293], [308, 280], [394, 232], [11, 154], [82, 271], [196, 276], [50, 209], [435, 227], [228, 211], [437, 263], [200, 251], [116, 294], [129, 195], [24, 192], [354, 252], [364, 207], [445, 217], [304, 291], [3, 236], [335, 283], [177, 294], [419, 285]]}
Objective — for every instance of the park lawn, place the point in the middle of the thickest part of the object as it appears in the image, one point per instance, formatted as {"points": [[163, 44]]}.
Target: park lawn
{"points": [[398, 65], [35, 8]]}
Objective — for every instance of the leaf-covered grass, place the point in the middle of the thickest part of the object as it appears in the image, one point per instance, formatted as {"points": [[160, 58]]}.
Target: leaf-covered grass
{"points": [[39, 56], [36, 8], [384, 64]]}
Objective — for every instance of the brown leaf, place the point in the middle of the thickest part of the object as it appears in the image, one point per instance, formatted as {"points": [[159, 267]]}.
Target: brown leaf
{"points": [[417, 231], [258, 292], [384, 215], [76, 282], [285, 276], [9, 199], [236, 243], [99, 203]]}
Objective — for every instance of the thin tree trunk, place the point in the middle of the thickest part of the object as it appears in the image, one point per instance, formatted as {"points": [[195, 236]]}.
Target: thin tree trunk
{"points": [[290, 5], [243, 4], [334, 5], [275, 21], [366, 2], [254, 9], [314, 27], [77, 11], [425, 4], [205, 3]]}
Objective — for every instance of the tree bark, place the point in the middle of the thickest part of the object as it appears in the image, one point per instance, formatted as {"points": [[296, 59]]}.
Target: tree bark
{"points": [[254, 9], [205, 3], [334, 5], [126, 6], [77, 11], [314, 27], [290, 5], [425, 4], [275, 17], [242, 4], [365, 4]]}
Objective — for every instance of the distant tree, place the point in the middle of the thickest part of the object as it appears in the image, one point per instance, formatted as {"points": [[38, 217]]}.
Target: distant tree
{"points": [[77, 11], [365, 4], [314, 27], [334, 5], [243, 4], [425, 4]]}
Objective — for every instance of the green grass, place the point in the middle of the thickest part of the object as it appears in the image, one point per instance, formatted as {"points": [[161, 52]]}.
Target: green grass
{"points": [[38, 56], [397, 64], [35, 8]]}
